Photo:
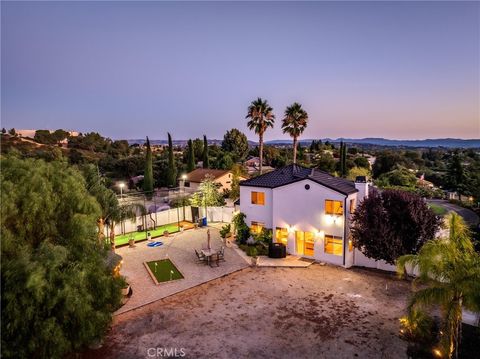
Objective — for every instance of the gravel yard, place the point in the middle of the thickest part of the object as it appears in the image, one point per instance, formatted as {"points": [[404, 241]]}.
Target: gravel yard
{"points": [[315, 312]]}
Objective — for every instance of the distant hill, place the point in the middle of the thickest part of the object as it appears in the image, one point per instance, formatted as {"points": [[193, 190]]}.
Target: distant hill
{"points": [[435, 142]]}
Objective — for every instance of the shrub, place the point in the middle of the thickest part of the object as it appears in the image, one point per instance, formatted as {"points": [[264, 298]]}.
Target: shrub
{"points": [[225, 231], [252, 251], [242, 234]]}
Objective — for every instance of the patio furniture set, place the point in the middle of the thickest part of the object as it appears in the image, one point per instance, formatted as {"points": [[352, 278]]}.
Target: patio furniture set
{"points": [[211, 256]]}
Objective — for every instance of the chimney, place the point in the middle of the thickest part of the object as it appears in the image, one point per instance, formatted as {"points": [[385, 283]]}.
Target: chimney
{"points": [[361, 184]]}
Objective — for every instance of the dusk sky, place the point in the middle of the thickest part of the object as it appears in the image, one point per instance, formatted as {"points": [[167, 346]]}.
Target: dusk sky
{"points": [[131, 69]]}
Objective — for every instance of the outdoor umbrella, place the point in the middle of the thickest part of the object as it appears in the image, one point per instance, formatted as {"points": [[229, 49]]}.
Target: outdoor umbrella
{"points": [[208, 240]]}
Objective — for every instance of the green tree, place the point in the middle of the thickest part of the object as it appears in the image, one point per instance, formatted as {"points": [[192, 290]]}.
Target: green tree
{"points": [[206, 162], [148, 174], [4, 131], [236, 143], [343, 159], [190, 157], [398, 177], [44, 136], [52, 265], [224, 162], [325, 162], [172, 169], [449, 270], [362, 162], [12, 132], [294, 122], [261, 117], [208, 194], [237, 171], [198, 149], [455, 177], [357, 171]]}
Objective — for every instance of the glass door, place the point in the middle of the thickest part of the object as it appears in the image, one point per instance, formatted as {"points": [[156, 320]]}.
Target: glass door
{"points": [[309, 244], [304, 242], [299, 242]]}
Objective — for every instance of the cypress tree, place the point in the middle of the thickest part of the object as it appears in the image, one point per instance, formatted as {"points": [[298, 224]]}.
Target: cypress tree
{"points": [[206, 163], [172, 171], [340, 157], [148, 174], [344, 160], [191, 157]]}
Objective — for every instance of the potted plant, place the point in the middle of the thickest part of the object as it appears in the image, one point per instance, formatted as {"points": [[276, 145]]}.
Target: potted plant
{"points": [[252, 252], [225, 233], [166, 233]]}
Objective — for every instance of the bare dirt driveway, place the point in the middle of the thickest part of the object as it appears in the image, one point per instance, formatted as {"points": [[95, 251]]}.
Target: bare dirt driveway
{"points": [[315, 312]]}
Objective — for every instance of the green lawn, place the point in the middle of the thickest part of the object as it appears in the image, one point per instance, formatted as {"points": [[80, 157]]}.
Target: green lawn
{"points": [[141, 236], [163, 269], [438, 210]]}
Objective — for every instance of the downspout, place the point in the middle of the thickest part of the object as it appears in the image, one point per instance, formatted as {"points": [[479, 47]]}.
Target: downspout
{"points": [[344, 226]]}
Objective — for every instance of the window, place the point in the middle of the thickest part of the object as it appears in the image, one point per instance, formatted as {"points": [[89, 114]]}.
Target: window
{"points": [[257, 227], [281, 235], [186, 184], [258, 198], [333, 245], [352, 205], [333, 207]]}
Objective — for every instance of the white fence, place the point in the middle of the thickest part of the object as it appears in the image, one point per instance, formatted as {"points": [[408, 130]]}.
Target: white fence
{"points": [[174, 215]]}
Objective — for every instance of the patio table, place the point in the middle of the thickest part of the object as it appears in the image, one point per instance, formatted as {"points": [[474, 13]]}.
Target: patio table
{"points": [[209, 253]]}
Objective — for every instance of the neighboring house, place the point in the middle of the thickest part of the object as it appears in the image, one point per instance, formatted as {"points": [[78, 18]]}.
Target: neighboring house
{"points": [[308, 210], [194, 178], [253, 166]]}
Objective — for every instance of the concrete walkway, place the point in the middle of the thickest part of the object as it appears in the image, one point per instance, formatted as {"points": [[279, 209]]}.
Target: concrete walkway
{"points": [[470, 217], [288, 262], [180, 249]]}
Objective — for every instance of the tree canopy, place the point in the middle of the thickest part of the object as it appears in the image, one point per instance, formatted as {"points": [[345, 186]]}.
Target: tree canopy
{"points": [[236, 143], [57, 291], [391, 224]]}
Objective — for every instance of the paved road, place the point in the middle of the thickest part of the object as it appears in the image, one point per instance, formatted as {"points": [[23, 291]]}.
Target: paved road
{"points": [[469, 216]]}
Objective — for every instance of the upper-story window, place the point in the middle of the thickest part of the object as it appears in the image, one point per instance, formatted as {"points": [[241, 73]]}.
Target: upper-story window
{"points": [[258, 198], [333, 207]]}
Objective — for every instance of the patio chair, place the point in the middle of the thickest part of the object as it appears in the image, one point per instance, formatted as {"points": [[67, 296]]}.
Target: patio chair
{"points": [[221, 254], [214, 259], [200, 257]]}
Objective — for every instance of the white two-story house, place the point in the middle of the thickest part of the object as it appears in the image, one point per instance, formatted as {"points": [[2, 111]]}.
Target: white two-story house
{"points": [[307, 209]]}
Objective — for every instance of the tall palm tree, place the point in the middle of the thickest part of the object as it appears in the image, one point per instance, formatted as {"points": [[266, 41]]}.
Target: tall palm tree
{"points": [[294, 123], [450, 269], [261, 117]]}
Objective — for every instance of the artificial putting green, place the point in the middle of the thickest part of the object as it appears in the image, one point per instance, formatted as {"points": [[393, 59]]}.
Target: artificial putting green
{"points": [[141, 236], [163, 270]]}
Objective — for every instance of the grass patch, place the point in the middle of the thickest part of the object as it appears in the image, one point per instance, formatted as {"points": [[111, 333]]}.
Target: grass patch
{"points": [[141, 236], [438, 210], [164, 270]]}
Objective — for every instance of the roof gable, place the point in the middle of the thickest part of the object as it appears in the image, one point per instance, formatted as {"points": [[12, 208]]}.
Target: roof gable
{"points": [[294, 173]]}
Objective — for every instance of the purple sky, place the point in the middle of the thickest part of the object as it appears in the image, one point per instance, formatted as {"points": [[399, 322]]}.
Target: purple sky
{"points": [[382, 69]]}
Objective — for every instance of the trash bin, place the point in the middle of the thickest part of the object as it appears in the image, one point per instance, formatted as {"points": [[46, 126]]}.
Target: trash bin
{"points": [[204, 221]]}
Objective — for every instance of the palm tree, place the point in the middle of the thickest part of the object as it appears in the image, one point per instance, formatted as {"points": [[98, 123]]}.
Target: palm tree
{"points": [[261, 117], [294, 123], [450, 269]]}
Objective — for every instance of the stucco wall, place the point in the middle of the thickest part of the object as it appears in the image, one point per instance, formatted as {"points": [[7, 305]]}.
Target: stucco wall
{"points": [[299, 209], [255, 212]]}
